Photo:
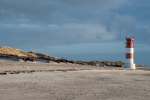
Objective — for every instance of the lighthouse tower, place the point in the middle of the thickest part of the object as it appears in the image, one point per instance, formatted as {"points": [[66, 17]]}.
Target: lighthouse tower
{"points": [[129, 53]]}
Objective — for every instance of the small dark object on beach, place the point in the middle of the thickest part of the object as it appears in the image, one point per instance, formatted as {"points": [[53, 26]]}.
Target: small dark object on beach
{"points": [[7, 71], [51, 70], [39, 71], [32, 70], [71, 69], [11, 73], [3, 73], [22, 71], [64, 70], [16, 72]]}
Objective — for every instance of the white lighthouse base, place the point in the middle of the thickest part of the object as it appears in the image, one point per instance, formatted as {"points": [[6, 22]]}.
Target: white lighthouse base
{"points": [[128, 65]]}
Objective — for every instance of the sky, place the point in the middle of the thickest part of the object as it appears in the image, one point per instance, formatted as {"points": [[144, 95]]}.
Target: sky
{"points": [[77, 29]]}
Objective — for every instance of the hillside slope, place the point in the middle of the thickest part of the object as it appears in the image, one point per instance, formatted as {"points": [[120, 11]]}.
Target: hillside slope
{"points": [[17, 52], [13, 52]]}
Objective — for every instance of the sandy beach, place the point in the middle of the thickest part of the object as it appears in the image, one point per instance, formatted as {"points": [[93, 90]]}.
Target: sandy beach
{"points": [[52, 81]]}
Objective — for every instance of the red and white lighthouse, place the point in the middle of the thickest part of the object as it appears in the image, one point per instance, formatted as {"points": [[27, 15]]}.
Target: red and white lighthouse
{"points": [[129, 53]]}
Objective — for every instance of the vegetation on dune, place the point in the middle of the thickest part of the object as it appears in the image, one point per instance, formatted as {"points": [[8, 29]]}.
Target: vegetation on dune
{"points": [[17, 53]]}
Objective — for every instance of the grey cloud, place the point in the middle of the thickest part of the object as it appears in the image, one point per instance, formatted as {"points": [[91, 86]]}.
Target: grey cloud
{"points": [[49, 11], [84, 3], [38, 36], [136, 8], [74, 21], [35, 10]]}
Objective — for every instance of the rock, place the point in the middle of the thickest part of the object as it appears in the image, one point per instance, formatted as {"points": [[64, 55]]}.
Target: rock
{"points": [[7, 71], [140, 66], [3, 73], [115, 64], [11, 73], [16, 72], [32, 70], [22, 71], [95, 63], [81, 62]]}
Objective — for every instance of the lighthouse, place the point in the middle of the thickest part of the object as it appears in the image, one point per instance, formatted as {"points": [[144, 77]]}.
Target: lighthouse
{"points": [[129, 53]]}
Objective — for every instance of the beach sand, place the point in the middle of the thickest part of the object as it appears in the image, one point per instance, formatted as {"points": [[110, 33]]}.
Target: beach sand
{"points": [[72, 82]]}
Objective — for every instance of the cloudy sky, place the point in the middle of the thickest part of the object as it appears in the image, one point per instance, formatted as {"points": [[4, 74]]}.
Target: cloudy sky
{"points": [[77, 29]]}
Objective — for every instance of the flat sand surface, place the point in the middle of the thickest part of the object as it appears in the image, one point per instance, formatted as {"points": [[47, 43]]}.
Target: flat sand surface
{"points": [[90, 83]]}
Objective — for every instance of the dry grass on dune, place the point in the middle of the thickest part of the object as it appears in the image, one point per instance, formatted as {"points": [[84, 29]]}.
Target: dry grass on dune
{"points": [[13, 51]]}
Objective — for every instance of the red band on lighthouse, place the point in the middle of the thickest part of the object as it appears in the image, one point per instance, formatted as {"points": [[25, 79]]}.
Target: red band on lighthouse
{"points": [[129, 46], [129, 56]]}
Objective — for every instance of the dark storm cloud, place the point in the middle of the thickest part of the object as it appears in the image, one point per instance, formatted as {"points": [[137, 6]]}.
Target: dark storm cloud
{"points": [[59, 22]]}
